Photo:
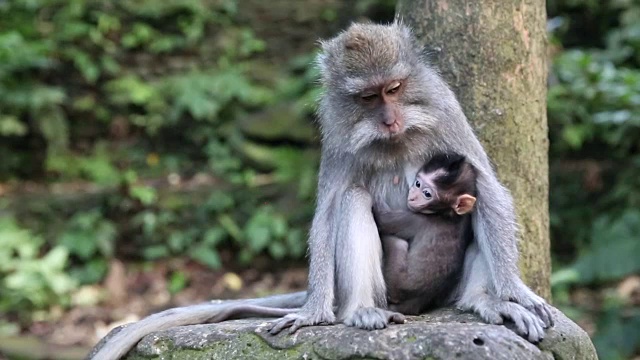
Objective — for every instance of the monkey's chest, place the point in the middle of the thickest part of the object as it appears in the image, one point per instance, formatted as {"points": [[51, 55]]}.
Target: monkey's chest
{"points": [[390, 187]]}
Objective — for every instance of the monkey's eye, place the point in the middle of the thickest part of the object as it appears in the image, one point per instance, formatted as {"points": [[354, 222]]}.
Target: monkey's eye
{"points": [[394, 87], [369, 97], [417, 183], [427, 194]]}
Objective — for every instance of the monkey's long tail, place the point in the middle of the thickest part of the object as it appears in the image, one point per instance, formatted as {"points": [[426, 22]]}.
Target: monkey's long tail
{"points": [[119, 344]]}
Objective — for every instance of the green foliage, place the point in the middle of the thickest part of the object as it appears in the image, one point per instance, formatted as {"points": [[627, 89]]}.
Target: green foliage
{"points": [[30, 278], [618, 331], [138, 117], [91, 239], [94, 58], [594, 121], [595, 102], [270, 231], [611, 239]]}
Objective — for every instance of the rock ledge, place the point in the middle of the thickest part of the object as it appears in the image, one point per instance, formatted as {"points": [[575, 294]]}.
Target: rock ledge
{"points": [[441, 334]]}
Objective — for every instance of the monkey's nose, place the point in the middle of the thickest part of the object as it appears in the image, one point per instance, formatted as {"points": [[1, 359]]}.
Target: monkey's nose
{"points": [[394, 128], [388, 116]]}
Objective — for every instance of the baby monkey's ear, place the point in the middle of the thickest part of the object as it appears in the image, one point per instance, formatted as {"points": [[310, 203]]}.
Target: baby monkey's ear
{"points": [[464, 204]]}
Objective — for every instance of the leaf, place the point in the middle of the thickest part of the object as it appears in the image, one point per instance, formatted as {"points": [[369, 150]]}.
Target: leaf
{"points": [[53, 125], [277, 250], [574, 136], [206, 255], [152, 252], [177, 282], [11, 126], [220, 201], [258, 230], [231, 227], [279, 226], [79, 244], [56, 258], [145, 194], [213, 236]]}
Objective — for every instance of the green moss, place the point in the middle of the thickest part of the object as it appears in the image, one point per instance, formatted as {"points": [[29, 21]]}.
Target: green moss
{"points": [[244, 346]]}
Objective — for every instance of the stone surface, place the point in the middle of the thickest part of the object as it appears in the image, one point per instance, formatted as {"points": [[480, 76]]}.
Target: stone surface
{"points": [[442, 334]]}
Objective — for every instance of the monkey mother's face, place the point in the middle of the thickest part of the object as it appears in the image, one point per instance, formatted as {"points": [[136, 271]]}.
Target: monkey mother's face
{"points": [[382, 103], [374, 82]]}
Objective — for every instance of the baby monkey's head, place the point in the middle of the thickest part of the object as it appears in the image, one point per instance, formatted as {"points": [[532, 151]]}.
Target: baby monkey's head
{"points": [[446, 185]]}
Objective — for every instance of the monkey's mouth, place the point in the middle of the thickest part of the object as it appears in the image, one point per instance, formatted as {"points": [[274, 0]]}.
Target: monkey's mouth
{"points": [[419, 210], [393, 131]]}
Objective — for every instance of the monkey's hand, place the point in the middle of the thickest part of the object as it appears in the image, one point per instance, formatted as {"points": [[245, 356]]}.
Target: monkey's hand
{"points": [[300, 319], [381, 210], [524, 296], [526, 323], [370, 318]]}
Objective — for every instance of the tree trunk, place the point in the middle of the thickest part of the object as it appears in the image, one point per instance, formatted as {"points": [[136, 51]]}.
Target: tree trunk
{"points": [[492, 53]]}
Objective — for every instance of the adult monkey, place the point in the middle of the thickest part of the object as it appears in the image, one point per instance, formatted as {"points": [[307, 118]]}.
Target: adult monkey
{"points": [[383, 113]]}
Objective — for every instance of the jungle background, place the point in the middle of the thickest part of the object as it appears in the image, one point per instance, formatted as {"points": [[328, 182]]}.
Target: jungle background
{"points": [[161, 153]]}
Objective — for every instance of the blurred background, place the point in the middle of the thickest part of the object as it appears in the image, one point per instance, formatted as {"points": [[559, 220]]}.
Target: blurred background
{"points": [[161, 153]]}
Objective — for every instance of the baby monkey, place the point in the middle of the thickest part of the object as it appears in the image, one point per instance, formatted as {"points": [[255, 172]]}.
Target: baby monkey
{"points": [[425, 245]]}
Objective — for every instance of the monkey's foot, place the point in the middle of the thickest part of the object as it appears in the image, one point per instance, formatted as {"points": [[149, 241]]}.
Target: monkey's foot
{"points": [[371, 318], [300, 319], [532, 302], [527, 324]]}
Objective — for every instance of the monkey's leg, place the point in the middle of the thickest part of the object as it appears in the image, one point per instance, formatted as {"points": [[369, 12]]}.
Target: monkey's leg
{"points": [[475, 295], [359, 280], [395, 264], [119, 344]]}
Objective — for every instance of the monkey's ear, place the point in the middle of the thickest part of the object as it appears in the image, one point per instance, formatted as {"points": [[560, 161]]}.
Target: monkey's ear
{"points": [[464, 204]]}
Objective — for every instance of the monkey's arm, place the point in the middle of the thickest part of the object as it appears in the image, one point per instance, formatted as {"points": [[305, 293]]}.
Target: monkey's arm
{"points": [[475, 295], [495, 226], [345, 252], [119, 344], [402, 223], [332, 180]]}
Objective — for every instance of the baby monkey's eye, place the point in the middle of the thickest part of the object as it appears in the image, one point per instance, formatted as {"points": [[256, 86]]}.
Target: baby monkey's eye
{"points": [[427, 194], [417, 183]]}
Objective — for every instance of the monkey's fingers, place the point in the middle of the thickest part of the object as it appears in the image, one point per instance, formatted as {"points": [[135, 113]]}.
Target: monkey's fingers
{"points": [[301, 322], [521, 326], [396, 318], [296, 325], [281, 324], [526, 322], [544, 312], [535, 330]]}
